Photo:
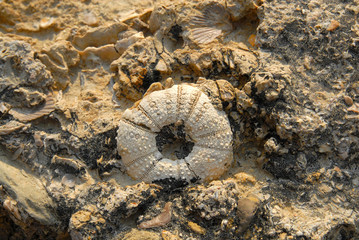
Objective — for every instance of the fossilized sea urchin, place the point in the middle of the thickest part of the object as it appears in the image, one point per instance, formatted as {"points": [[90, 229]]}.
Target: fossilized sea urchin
{"points": [[205, 134]]}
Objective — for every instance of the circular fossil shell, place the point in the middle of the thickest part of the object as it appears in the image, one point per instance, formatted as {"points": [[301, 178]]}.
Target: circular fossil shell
{"points": [[206, 127]]}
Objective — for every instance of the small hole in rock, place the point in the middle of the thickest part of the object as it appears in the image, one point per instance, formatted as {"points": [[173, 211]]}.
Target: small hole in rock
{"points": [[173, 142]]}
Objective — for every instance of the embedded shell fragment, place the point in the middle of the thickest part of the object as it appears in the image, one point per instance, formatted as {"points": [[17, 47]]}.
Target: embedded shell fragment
{"points": [[208, 129], [212, 23]]}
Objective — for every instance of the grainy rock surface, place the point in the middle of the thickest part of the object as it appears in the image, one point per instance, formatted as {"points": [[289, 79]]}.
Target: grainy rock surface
{"points": [[284, 74]]}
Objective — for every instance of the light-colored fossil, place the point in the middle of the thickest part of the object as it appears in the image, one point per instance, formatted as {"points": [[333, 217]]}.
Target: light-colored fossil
{"points": [[127, 40], [160, 220], [26, 115], [10, 127], [204, 126], [212, 23]]}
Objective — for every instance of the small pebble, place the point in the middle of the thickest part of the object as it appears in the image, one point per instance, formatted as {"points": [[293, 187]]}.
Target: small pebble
{"points": [[348, 100], [252, 40], [166, 235], [197, 228], [47, 22], [334, 24], [89, 18]]}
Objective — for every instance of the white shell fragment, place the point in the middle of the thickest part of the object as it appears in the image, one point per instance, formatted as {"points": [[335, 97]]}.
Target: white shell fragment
{"points": [[207, 127], [47, 22], [212, 23], [122, 44], [89, 18]]}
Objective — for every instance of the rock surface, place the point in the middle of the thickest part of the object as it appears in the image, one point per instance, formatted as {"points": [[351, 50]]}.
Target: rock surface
{"points": [[284, 74]]}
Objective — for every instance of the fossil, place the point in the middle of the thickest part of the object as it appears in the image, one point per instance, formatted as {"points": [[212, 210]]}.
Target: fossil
{"points": [[26, 115], [201, 133], [10, 127], [160, 220], [212, 23]]}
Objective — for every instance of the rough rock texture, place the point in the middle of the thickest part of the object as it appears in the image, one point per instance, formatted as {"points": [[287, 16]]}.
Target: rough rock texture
{"points": [[19, 67], [284, 73], [100, 210], [321, 72], [58, 58], [171, 51]]}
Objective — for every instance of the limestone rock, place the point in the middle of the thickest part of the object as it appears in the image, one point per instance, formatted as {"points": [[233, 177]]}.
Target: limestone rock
{"points": [[19, 67], [284, 72], [98, 36], [141, 235], [59, 58]]}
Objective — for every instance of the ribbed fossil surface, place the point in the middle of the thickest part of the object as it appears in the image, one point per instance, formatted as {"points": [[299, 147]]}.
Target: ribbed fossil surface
{"points": [[212, 23], [207, 128]]}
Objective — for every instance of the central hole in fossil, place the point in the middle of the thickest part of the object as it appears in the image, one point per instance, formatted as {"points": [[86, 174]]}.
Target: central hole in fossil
{"points": [[173, 142]]}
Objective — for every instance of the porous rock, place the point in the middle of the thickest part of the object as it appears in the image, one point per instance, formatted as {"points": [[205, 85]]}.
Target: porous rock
{"points": [[99, 36], [18, 66], [59, 58], [294, 117], [172, 50], [223, 204], [102, 204]]}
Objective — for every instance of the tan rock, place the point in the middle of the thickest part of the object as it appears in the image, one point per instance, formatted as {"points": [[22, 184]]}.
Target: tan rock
{"points": [[167, 235], [135, 234], [99, 36], [154, 87], [197, 228], [127, 40], [58, 58], [334, 24], [226, 90], [243, 178], [10, 127], [263, 81], [243, 101], [211, 89], [161, 66], [272, 95], [246, 209], [104, 53], [31, 195], [79, 219], [348, 100]]}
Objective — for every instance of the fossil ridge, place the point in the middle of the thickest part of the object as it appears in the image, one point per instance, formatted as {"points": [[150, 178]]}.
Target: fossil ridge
{"points": [[205, 126]]}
